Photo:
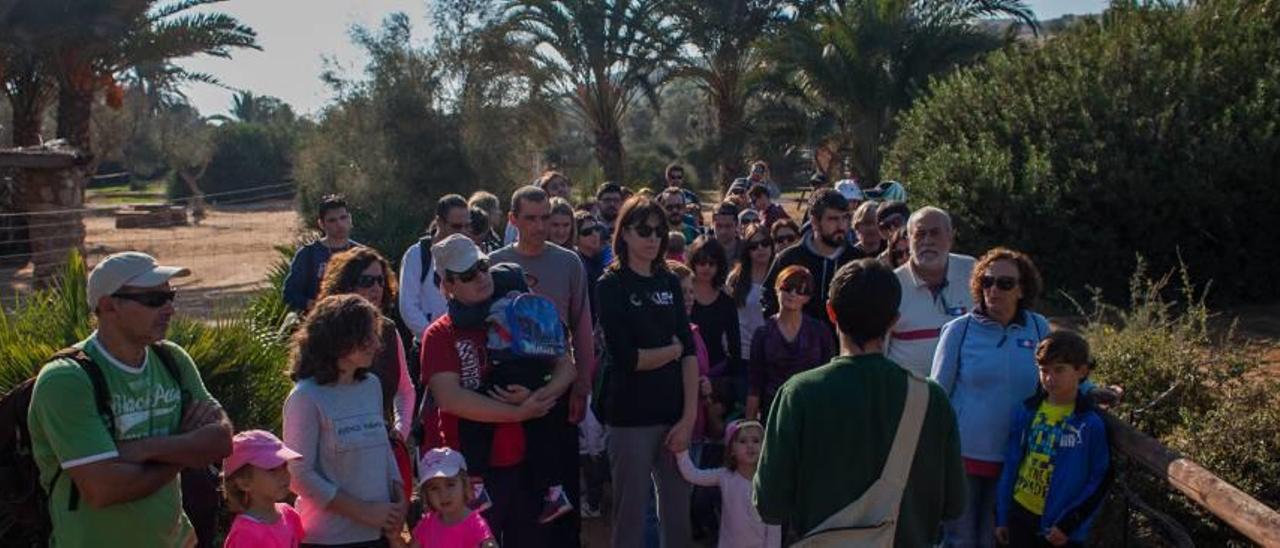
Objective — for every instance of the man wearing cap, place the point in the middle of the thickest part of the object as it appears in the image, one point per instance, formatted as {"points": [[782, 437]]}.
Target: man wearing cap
{"points": [[737, 193], [935, 290], [456, 364], [762, 202], [113, 473], [558, 274]]}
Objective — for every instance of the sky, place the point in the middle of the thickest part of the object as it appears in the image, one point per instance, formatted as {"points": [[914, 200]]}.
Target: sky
{"points": [[298, 35]]}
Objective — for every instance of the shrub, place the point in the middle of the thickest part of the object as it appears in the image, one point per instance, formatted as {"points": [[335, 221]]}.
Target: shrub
{"points": [[1200, 394], [1155, 130], [242, 365], [245, 157]]}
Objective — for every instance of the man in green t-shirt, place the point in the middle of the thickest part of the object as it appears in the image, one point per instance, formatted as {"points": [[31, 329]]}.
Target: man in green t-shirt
{"points": [[125, 475], [831, 429]]}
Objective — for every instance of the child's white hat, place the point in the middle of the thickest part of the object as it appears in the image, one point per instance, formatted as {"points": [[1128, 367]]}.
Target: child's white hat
{"points": [[441, 462]]}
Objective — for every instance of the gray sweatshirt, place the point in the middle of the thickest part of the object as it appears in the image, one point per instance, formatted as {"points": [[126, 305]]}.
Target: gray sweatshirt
{"points": [[342, 436]]}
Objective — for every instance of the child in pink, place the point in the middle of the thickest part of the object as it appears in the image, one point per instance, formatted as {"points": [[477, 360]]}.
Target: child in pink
{"points": [[255, 480], [450, 522]]}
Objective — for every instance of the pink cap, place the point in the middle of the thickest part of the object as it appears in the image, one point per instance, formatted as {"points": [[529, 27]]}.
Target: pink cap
{"points": [[441, 462], [733, 428], [259, 448]]}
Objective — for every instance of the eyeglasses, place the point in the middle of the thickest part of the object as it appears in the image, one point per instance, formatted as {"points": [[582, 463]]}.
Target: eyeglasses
{"points": [[366, 281], [589, 230], [893, 222], [1005, 283], [758, 170], [676, 176], [736, 191], [757, 244], [150, 299], [647, 230], [799, 290], [470, 275], [786, 240], [674, 208]]}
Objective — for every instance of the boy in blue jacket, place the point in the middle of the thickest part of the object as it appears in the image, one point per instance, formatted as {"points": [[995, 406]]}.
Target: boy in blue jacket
{"points": [[1056, 467]]}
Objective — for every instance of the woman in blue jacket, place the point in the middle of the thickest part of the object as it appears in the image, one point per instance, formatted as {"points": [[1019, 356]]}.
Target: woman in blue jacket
{"points": [[986, 362]]}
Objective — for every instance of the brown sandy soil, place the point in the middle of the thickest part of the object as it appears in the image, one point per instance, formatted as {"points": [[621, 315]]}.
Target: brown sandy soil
{"points": [[229, 253]]}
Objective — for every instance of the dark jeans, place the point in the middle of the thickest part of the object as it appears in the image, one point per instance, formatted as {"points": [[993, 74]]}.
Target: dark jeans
{"points": [[565, 531], [542, 453], [595, 471], [1024, 529], [513, 518]]}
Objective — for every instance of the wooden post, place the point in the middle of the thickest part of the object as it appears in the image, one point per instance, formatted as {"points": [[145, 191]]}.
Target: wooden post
{"points": [[1239, 510]]}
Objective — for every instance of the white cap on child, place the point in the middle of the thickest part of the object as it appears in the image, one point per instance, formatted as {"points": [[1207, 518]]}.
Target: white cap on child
{"points": [[441, 462]]}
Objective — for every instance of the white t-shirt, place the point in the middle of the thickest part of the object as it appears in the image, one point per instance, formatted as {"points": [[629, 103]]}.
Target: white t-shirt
{"points": [[922, 313]]}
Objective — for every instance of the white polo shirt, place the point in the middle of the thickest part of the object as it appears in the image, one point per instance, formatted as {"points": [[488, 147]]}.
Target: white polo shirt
{"points": [[922, 313]]}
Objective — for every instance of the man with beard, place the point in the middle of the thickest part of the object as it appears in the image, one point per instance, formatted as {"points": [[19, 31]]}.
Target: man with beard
{"points": [[673, 201], [608, 202], [822, 251], [935, 290]]}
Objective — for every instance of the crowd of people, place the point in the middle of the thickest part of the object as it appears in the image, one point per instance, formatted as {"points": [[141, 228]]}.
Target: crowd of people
{"points": [[747, 380]]}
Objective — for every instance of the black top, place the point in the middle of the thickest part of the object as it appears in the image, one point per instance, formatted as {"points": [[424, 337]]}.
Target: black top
{"points": [[718, 323], [595, 269], [822, 268], [638, 312]]}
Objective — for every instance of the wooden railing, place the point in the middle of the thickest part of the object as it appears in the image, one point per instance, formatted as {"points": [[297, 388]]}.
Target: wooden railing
{"points": [[1242, 512]]}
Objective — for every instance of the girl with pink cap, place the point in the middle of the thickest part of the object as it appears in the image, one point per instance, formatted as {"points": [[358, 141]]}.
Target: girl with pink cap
{"points": [[255, 480]]}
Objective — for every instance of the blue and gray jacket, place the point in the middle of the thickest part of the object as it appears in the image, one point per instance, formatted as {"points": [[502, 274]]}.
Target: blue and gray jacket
{"points": [[302, 284], [987, 369], [1081, 468]]}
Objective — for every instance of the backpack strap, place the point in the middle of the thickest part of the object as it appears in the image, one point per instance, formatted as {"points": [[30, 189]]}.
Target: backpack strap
{"points": [[424, 257], [101, 401]]}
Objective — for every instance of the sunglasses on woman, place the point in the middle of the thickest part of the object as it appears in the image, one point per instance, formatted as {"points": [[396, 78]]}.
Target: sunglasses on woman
{"points": [[589, 230], [150, 299], [366, 281], [757, 244], [786, 240], [470, 274], [1005, 283], [647, 230], [799, 290]]}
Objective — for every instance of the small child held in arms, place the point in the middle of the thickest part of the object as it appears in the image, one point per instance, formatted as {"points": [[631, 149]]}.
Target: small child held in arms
{"points": [[255, 480], [450, 522], [740, 523], [1056, 467]]}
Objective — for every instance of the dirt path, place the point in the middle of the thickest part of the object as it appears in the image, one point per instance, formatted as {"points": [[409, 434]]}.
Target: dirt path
{"points": [[229, 253]]}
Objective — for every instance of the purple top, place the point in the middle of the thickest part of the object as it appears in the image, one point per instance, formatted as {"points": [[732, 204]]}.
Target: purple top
{"points": [[774, 359]]}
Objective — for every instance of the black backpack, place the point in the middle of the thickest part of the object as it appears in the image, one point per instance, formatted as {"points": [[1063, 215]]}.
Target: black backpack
{"points": [[24, 502]]}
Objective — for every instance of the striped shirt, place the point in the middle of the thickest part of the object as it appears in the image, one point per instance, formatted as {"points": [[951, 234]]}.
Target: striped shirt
{"points": [[923, 312]]}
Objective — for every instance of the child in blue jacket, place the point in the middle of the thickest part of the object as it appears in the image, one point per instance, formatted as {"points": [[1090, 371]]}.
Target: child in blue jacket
{"points": [[1056, 467]]}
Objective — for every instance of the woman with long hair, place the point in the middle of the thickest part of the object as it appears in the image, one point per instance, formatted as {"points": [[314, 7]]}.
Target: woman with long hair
{"points": [[649, 383], [350, 491], [790, 342], [713, 309], [746, 282]]}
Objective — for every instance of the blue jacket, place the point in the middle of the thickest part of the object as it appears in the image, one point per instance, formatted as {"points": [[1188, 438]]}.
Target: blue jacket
{"points": [[987, 369], [1081, 469], [305, 271]]}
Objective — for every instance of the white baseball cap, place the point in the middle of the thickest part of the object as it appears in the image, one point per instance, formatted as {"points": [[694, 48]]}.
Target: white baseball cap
{"points": [[441, 462], [849, 189], [457, 254], [129, 268]]}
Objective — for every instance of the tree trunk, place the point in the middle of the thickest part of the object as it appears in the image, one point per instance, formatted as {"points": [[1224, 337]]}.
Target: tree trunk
{"points": [[733, 138], [29, 101], [75, 112], [609, 154]]}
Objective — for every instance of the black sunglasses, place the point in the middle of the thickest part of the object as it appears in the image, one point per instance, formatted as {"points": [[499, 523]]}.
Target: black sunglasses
{"points": [[366, 281], [150, 299], [647, 230], [786, 240], [800, 290], [470, 274], [757, 244], [589, 230], [1005, 283]]}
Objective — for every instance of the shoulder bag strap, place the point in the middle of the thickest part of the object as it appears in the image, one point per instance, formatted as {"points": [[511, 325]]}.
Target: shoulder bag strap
{"points": [[898, 466]]}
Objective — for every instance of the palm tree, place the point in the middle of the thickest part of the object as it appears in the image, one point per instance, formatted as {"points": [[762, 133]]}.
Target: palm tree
{"points": [[858, 63], [600, 54], [723, 36]]}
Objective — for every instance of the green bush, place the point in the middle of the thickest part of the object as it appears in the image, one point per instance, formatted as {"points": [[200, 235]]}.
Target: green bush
{"points": [[245, 157], [241, 361], [1155, 130], [1200, 393]]}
